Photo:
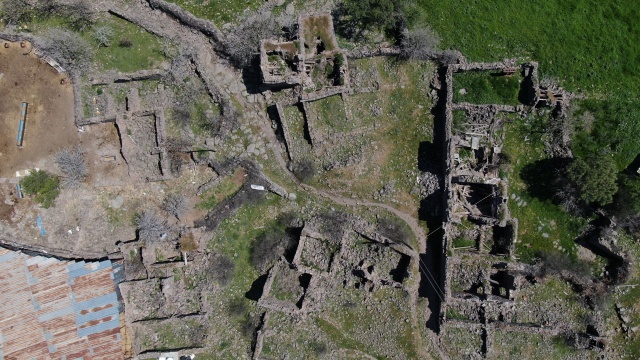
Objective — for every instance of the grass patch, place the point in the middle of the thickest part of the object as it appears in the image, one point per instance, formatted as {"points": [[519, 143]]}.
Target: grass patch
{"points": [[219, 11], [146, 50], [461, 242], [338, 337], [330, 113], [483, 87], [203, 113], [585, 45], [226, 188]]}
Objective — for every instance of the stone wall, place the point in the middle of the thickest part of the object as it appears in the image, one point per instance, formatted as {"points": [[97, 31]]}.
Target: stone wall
{"points": [[206, 27]]}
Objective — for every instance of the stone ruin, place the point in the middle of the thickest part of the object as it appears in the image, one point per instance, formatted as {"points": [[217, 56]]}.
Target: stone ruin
{"points": [[357, 257], [313, 61], [362, 257], [481, 281]]}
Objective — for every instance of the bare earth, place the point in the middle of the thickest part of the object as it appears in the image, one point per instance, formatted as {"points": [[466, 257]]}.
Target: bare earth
{"points": [[50, 122]]}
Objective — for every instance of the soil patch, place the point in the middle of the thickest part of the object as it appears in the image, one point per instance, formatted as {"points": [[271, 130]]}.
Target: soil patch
{"points": [[50, 119]]}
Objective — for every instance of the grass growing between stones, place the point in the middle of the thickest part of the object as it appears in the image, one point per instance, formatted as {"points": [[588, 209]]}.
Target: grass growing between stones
{"points": [[385, 132], [543, 226], [353, 322], [626, 296], [522, 345], [221, 11], [462, 343], [234, 316], [145, 50]]}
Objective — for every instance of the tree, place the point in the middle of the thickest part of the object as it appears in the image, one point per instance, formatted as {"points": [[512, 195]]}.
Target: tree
{"points": [[67, 47], [71, 162], [151, 227], [103, 35], [595, 177], [419, 44], [362, 15], [44, 186], [243, 42], [16, 11], [630, 193], [77, 15], [175, 204]]}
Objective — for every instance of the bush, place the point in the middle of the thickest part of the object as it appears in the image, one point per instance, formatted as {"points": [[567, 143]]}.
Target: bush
{"points": [[269, 246], [175, 205], [553, 263], [44, 186], [125, 43], [151, 227], [332, 225], [103, 35], [595, 176], [304, 170], [71, 162], [222, 269], [393, 229]]}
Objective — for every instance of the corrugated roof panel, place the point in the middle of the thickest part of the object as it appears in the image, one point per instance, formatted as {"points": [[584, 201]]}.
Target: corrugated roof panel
{"points": [[114, 323], [43, 316]]}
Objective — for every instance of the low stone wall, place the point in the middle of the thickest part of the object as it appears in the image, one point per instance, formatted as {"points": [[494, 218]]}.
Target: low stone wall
{"points": [[206, 27], [112, 76], [367, 52], [323, 93], [285, 130]]}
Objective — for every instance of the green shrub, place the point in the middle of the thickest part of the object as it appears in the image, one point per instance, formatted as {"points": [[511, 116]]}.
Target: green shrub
{"points": [[44, 186]]}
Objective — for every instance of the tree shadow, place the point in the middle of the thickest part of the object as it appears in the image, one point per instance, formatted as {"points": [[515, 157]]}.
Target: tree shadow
{"points": [[544, 177]]}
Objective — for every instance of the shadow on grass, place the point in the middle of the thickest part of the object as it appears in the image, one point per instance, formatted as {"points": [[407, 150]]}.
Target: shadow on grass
{"points": [[544, 177]]}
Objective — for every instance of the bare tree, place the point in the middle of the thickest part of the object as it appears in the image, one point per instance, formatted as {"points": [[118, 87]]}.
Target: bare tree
{"points": [[16, 11], [175, 204], [67, 47], [243, 42], [71, 162], [103, 35], [77, 15], [151, 227], [419, 44]]}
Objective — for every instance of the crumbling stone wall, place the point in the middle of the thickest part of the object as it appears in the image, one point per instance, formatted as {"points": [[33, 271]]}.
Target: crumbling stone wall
{"points": [[205, 26]]}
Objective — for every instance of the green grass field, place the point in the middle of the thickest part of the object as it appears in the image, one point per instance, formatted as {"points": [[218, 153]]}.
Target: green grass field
{"points": [[588, 46]]}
